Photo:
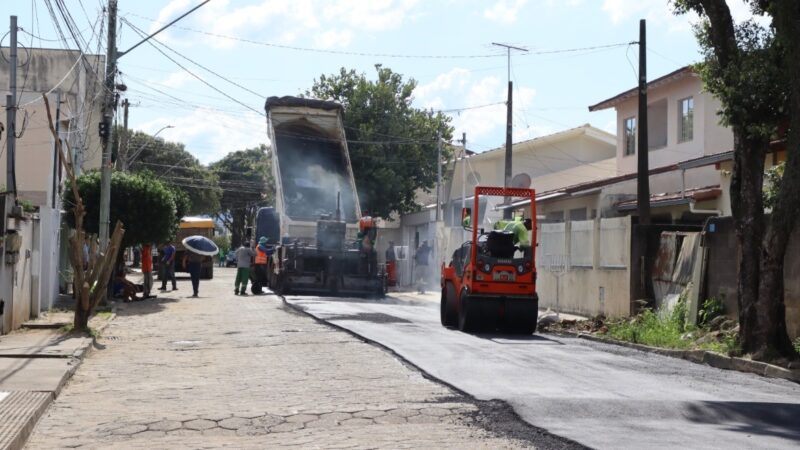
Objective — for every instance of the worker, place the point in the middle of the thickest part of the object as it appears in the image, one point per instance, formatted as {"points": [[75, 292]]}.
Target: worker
{"points": [[391, 265], [367, 233], [262, 257], [466, 217], [519, 227]]}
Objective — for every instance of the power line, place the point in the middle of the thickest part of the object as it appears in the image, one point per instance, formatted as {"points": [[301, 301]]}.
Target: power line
{"points": [[205, 68], [379, 55], [142, 34], [328, 51]]}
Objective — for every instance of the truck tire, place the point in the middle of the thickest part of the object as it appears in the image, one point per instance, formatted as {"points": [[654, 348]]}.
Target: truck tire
{"points": [[448, 311]]}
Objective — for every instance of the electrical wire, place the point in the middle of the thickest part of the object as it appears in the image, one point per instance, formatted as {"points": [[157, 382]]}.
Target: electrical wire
{"points": [[204, 67], [143, 35], [328, 51]]}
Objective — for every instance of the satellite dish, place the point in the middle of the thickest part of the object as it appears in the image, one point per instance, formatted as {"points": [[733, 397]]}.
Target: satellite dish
{"points": [[521, 181]]}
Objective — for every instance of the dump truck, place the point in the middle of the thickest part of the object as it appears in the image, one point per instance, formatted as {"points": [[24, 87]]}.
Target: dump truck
{"points": [[190, 226], [490, 282], [322, 244]]}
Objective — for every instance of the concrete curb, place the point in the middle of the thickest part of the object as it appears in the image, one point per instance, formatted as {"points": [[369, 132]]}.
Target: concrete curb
{"points": [[709, 358], [15, 434]]}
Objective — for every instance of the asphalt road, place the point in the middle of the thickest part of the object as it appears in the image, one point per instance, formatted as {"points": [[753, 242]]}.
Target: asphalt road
{"points": [[600, 395]]}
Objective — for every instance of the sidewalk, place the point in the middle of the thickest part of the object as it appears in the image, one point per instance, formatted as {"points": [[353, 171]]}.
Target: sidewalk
{"points": [[35, 364]]}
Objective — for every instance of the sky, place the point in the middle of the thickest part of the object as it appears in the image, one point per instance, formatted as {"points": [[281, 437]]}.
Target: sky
{"points": [[236, 53]]}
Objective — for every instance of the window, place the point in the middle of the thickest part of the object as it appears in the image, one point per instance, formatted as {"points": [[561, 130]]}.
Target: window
{"points": [[555, 216], [686, 119], [577, 214], [657, 124], [630, 136]]}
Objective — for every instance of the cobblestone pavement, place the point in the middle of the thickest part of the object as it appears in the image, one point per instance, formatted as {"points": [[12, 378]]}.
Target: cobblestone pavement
{"points": [[249, 372]]}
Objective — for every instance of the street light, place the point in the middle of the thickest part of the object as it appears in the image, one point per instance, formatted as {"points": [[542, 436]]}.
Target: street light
{"points": [[126, 161]]}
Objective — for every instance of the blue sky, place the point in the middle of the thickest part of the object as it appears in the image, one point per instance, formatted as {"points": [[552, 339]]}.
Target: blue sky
{"points": [[246, 41]]}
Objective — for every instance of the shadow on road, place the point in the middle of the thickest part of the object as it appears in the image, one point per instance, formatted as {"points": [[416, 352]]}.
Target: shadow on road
{"points": [[756, 418], [148, 306]]}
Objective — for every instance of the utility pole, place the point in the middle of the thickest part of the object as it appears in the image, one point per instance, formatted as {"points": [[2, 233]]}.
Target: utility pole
{"points": [[438, 196], [643, 169], [509, 125], [464, 183], [105, 125], [108, 111], [56, 163], [438, 175], [11, 112], [123, 140]]}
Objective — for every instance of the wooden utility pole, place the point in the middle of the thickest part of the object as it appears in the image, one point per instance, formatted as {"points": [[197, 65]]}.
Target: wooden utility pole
{"points": [[643, 170], [509, 126]]}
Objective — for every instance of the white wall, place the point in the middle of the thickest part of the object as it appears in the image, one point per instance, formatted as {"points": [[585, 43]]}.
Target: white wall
{"points": [[599, 287]]}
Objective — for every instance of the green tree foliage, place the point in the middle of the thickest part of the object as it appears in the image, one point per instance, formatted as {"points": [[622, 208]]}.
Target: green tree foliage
{"points": [[392, 145], [755, 72], [171, 163], [223, 243], [245, 177], [145, 206], [772, 185]]}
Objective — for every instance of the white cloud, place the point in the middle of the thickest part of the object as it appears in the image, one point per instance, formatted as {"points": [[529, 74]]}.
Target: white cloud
{"points": [[504, 11], [210, 135], [373, 15], [661, 12], [464, 90], [332, 24], [177, 79], [333, 39], [169, 12], [457, 78]]}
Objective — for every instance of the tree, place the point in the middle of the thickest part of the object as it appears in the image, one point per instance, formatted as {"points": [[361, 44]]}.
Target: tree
{"points": [[91, 273], [245, 177], [176, 167], [145, 205], [392, 145], [755, 72]]}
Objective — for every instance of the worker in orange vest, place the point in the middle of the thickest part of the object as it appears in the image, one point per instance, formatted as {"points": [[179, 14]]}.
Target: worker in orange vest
{"points": [[260, 266]]}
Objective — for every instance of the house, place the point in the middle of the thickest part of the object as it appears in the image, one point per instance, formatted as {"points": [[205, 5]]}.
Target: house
{"points": [[595, 254], [73, 83]]}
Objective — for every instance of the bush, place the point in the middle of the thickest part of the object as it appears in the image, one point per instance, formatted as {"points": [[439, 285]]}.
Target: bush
{"points": [[144, 205], [711, 309], [661, 328], [668, 329]]}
